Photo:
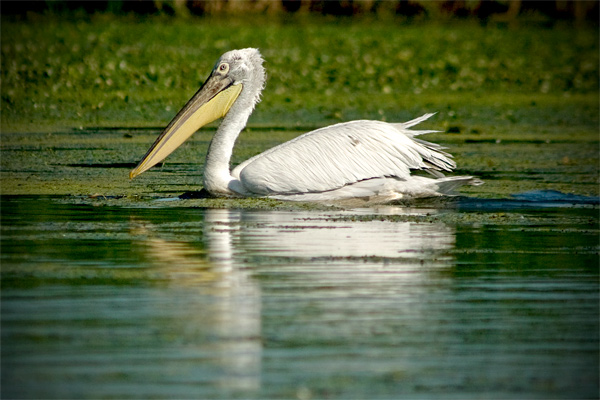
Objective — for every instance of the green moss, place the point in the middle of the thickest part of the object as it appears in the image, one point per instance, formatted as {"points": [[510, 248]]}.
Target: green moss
{"points": [[124, 72], [524, 101]]}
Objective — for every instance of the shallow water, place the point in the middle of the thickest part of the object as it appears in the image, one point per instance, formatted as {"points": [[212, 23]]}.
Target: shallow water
{"points": [[152, 299], [120, 289]]}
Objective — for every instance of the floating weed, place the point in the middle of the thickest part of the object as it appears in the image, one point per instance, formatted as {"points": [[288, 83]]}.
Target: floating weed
{"points": [[116, 71]]}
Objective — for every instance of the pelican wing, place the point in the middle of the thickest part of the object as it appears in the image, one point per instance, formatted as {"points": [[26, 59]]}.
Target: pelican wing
{"points": [[335, 156]]}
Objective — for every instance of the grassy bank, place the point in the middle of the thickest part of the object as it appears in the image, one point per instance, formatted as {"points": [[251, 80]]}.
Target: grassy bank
{"points": [[108, 71]]}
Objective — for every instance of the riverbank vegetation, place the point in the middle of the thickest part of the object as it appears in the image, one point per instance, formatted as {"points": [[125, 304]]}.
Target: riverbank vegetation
{"points": [[125, 70], [116, 79]]}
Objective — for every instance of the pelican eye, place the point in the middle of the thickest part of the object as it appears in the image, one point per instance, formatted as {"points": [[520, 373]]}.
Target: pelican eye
{"points": [[223, 68]]}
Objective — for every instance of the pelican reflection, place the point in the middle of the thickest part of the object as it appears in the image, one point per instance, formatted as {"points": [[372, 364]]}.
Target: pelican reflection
{"points": [[219, 314], [337, 257]]}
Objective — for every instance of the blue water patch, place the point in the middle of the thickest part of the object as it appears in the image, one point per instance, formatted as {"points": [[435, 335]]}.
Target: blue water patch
{"points": [[529, 200], [555, 196]]}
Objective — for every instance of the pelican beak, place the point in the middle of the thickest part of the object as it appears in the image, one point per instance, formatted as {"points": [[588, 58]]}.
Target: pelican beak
{"points": [[212, 101]]}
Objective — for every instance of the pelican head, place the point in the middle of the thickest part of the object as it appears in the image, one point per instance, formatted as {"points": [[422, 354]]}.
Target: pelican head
{"points": [[237, 79]]}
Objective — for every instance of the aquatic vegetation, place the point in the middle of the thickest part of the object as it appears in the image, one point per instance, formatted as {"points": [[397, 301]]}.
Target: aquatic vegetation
{"points": [[120, 71], [517, 106]]}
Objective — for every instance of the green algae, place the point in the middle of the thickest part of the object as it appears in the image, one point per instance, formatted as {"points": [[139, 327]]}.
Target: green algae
{"points": [[59, 73], [95, 164], [83, 100]]}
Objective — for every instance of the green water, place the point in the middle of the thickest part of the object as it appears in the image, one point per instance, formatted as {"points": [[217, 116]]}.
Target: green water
{"points": [[114, 288], [154, 301]]}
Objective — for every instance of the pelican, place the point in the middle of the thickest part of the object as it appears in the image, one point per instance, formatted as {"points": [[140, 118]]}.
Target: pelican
{"points": [[358, 159]]}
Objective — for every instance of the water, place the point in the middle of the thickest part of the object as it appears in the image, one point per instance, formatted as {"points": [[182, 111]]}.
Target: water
{"points": [[150, 299]]}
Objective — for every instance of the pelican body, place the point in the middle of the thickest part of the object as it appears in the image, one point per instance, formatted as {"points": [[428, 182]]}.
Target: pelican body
{"points": [[358, 159]]}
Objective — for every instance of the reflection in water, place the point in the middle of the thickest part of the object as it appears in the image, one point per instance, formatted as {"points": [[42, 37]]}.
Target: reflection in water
{"points": [[302, 234], [238, 309], [339, 253], [112, 302], [285, 241], [232, 315]]}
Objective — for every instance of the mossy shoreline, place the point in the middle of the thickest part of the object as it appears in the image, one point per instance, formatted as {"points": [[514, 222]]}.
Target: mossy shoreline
{"points": [[83, 99], [121, 71]]}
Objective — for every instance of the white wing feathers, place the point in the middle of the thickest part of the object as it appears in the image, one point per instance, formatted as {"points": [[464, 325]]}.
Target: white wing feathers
{"points": [[333, 157], [403, 126]]}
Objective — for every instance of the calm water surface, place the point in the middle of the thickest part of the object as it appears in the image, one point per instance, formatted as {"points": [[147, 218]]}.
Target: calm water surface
{"points": [[150, 301]]}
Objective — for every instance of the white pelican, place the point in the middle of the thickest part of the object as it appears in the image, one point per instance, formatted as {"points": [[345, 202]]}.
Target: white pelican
{"points": [[370, 160]]}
